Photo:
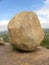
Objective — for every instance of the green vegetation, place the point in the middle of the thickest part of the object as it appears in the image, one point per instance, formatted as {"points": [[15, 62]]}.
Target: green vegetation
{"points": [[5, 36], [44, 43]]}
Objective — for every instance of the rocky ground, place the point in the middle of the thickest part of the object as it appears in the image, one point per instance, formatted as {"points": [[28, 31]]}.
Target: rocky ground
{"points": [[8, 56]]}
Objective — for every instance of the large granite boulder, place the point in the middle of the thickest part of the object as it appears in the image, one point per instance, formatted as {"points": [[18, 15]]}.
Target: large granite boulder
{"points": [[25, 31]]}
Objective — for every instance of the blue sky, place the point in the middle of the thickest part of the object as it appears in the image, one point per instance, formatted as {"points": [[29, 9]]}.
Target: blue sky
{"points": [[9, 8]]}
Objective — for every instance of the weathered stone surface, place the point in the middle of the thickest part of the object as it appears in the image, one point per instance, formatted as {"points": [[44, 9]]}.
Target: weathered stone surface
{"points": [[38, 57], [1, 41], [25, 31]]}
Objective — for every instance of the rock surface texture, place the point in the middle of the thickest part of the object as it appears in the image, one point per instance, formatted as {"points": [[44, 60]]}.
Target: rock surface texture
{"points": [[25, 31], [10, 57]]}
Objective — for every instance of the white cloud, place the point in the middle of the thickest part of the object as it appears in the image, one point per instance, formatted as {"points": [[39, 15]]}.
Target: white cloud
{"points": [[44, 10], [42, 20], [46, 2], [3, 25], [43, 14], [45, 25]]}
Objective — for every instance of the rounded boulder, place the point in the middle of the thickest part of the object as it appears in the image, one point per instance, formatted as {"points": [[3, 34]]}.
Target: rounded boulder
{"points": [[25, 31]]}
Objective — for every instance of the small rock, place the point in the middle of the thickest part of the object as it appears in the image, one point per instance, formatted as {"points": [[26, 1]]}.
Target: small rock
{"points": [[1, 41]]}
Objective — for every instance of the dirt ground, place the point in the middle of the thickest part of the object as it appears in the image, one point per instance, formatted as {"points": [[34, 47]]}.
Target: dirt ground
{"points": [[8, 56]]}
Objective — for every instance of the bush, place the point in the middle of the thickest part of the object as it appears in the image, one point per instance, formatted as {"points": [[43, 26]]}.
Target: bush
{"points": [[5, 36], [45, 42]]}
